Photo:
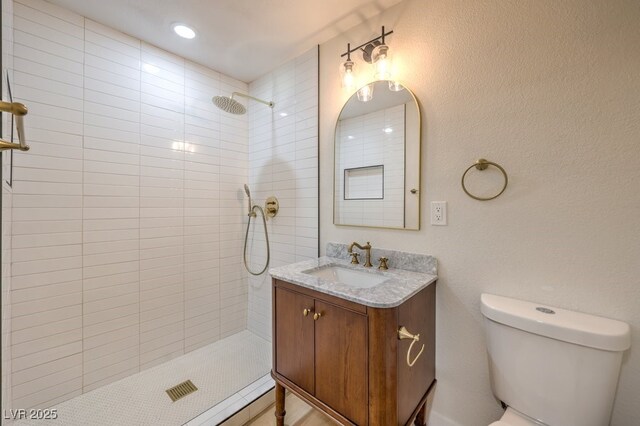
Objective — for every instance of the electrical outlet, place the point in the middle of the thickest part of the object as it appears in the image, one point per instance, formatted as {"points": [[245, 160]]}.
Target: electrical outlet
{"points": [[439, 213]]}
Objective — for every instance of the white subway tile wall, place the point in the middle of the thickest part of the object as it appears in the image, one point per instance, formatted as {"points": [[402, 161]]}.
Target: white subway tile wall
{"points": [[283, 158], [128, 213]]}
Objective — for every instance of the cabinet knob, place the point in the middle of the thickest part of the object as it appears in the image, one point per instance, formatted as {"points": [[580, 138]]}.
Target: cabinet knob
{"points": [[306, 312], [316, 316]]}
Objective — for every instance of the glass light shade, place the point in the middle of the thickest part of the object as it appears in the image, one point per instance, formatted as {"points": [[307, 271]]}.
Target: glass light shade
{"points": [[382, 62], [395, 86], [347, 77], [365, 94]]}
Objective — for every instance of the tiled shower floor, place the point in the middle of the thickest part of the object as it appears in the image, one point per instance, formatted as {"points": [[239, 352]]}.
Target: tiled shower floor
{"points": [[218, 370]]}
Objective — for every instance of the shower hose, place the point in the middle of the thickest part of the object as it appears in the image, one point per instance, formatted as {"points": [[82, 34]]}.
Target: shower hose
{"points": [[266, 237]]}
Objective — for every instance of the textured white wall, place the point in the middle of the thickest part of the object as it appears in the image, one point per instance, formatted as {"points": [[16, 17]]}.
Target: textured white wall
{"points": [[550, 90]]}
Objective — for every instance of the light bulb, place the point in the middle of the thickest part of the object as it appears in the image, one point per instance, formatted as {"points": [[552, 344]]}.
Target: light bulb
{"points": [[348, 79], [382, 62]]}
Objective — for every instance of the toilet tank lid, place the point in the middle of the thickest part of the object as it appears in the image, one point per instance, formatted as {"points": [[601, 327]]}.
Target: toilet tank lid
{"points": [[569, 326]]}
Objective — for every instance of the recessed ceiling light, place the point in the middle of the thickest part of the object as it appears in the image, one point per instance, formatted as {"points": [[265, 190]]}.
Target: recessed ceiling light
{"points": [[184, 31], [387, 130], [283, 114]]}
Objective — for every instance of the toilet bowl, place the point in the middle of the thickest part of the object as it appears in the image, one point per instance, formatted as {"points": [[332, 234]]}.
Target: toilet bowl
{"points": [[512, 418]]}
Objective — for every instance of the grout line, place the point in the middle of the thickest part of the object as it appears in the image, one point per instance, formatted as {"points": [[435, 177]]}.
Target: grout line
{"points": [[82, 366], [139, 239]]}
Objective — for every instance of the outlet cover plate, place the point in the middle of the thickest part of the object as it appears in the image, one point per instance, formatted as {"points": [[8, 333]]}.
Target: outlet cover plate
{"points": [[439, 213]]}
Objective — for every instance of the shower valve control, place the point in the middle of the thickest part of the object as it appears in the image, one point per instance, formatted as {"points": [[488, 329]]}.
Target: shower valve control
{"points": [[271, 206]]}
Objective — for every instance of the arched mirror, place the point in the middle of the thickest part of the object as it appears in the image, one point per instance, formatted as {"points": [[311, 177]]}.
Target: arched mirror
{"points": [[377, 158]]}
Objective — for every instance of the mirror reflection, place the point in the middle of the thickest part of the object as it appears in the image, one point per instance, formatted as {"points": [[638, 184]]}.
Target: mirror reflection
{"points": [[377, 158]]}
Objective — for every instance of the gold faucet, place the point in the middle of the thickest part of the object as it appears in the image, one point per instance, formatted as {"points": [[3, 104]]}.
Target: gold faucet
{"points": [[367, 249]]}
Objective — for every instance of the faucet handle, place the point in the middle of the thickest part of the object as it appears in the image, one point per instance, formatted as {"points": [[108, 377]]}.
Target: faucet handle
{"points": [[383, 263], [354, 258]]}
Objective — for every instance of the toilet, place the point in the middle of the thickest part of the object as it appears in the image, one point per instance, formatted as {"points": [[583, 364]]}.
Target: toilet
{"points": [[552, 366]]}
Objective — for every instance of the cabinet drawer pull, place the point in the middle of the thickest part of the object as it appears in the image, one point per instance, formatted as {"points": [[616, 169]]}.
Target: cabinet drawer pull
{"points": [[306, 312], [403, 333], [316, 316]]}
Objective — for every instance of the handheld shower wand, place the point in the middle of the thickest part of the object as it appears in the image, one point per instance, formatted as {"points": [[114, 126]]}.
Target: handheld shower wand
{"points": [[253, 214], [246, 190]]}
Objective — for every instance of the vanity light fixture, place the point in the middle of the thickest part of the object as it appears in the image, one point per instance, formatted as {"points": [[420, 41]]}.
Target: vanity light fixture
{"points": [[184, 31], [374, 51]]}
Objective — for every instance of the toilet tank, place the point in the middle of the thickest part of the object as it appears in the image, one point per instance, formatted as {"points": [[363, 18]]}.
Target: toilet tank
{"points": [[557, 366]]}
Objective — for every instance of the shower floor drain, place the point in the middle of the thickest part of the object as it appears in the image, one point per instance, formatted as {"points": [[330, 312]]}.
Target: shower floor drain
{"points": [[181, 390]]}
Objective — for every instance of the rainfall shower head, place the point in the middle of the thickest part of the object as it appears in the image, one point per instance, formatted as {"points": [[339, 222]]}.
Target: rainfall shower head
{"points": [[228, 104], [246, 189]]}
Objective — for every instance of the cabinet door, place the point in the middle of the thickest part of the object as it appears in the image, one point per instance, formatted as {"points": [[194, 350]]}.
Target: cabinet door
{"points": [[294, 338], [341, 361]]}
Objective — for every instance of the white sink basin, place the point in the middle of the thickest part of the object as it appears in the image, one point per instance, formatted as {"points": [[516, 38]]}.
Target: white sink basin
{"points": [[347, 276]]}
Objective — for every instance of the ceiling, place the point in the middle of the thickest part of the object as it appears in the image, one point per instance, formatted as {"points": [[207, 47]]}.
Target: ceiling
{"points": [[244, 39]]}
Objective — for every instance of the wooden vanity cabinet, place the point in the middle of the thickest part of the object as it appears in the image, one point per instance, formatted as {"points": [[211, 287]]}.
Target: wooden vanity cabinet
{"points": [[345, 359]]}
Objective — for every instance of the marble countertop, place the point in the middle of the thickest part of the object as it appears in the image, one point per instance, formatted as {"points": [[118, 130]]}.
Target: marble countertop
{"points": [[399, 287]]}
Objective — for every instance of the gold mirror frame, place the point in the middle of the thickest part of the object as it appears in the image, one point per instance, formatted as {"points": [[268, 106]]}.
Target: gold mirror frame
{"points": [[413, 190]]}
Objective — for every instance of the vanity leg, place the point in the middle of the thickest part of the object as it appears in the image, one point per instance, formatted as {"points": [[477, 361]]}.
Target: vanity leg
{"points": [[420, 420], [280, 411]]}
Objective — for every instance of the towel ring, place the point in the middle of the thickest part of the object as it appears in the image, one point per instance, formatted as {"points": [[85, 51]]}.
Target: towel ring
{"points": [[403, 333], [483, 164]]}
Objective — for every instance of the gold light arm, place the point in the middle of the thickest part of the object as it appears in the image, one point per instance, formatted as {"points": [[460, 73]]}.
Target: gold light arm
{"points": [[19, 111]]}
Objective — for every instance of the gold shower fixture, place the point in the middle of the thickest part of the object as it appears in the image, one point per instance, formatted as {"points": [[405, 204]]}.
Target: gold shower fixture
{"points": [[19, 111]]}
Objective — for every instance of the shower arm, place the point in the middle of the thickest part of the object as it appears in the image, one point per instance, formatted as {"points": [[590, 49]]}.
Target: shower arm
{"points": [[270, 104]]}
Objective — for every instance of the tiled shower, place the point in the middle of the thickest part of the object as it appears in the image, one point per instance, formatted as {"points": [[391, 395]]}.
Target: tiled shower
{"points": [[123, 226]]}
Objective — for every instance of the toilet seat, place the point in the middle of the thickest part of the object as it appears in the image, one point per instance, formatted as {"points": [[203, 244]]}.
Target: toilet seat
{"points": [[512, 417]]}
